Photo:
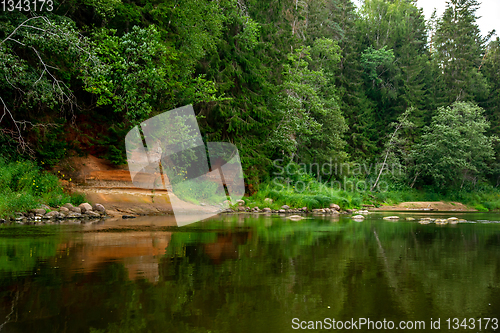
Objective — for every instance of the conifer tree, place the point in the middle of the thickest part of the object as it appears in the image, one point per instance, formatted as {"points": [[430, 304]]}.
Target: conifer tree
{"points": [[459, 50]]}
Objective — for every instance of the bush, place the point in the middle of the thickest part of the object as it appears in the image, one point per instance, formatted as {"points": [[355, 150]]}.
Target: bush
{"points": [[24, 186], [481, 208]]}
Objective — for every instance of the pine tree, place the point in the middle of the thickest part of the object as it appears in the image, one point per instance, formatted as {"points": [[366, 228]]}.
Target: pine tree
{"points": [[491, 70], [356, 107], [459, 50], [396, 27]]}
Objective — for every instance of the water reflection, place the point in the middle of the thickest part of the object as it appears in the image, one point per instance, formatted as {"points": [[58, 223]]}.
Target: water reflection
{"points": [[245, 273]]}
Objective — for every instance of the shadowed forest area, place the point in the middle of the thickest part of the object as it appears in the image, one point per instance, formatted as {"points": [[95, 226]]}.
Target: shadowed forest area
{"points": [[290, 83]]}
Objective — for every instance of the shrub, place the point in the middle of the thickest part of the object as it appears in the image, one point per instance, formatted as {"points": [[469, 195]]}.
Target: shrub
{"points": [[24, 186]]}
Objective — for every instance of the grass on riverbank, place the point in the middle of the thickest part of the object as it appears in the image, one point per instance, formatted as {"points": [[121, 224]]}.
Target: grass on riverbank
{"points": [[24, 186], [318, 195]]}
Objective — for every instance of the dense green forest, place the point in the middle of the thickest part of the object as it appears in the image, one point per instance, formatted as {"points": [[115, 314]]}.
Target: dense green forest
{"points": [[301, 82]]}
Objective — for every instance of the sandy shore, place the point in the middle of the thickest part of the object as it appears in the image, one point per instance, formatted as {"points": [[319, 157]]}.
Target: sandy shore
{"points": [[428, 206]]}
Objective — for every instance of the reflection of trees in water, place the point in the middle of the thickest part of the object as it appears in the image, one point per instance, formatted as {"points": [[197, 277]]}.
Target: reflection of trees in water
{"points": [[260, 274], [455, 270]]}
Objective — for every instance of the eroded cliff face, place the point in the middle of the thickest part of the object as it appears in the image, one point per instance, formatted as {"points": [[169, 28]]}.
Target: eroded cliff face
{"points": [[111, 186]]}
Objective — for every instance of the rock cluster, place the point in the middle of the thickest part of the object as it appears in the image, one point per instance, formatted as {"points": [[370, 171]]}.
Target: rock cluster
{"points": [[450, 220], [285, 209], [67, 212]]}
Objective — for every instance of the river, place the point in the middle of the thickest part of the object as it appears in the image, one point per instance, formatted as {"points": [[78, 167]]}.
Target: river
{"points": [[251, 273]]}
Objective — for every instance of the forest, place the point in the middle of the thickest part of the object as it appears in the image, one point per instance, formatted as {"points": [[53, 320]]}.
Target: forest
{"points": [[293, 84]]}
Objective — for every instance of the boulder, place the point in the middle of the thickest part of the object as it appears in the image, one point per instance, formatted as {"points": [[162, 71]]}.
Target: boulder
{"points": [[358, 217], [282, 211], [51, 215], [76, 210], [68, 205], [410, 219], [85, 207], [335, 206], [295, 217], [241, 209], [64, 210], [391, 217], [266, 210], [45, 207], [268, 200], [285, 207], [91, 214], [304, 209], [100, 208], [73, 215], [39, 211], [240, 202]]}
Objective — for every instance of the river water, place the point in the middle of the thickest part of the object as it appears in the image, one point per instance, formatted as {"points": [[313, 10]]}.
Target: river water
{"points": [[251, 273]]}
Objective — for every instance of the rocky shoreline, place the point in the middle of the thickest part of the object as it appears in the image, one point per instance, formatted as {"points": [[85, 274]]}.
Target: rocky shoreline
{"points": [[86, 212], [285, 209], [46, 215]]}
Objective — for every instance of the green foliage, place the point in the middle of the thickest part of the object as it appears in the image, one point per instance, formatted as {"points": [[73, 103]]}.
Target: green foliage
{"points": [[7, 147], [480, 208], [199, 192], [248, 38], [376, 62], [459, 47], [24, 186], [134, 71], [302, 81], [455, 148], [307, 103], [50, 144]]}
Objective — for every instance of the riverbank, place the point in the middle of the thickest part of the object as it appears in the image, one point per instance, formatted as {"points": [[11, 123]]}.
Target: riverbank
{"points": [[66, 213], [102, 182], [426, 206], [26, 187]]}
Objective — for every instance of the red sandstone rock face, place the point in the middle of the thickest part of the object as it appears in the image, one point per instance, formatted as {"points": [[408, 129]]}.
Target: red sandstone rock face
{"points": [[111, 186]]}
